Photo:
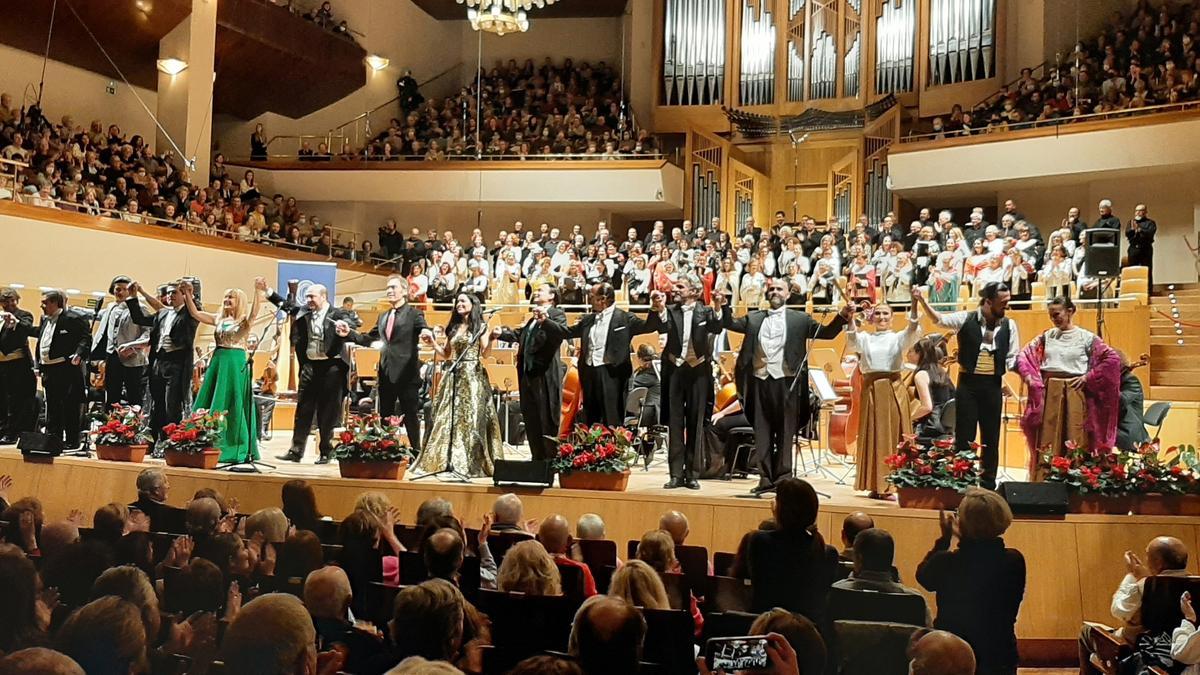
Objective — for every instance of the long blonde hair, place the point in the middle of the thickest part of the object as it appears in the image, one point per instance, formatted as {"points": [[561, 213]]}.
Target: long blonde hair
{"points": [[638, 584], [241, 307], [529, 569]]}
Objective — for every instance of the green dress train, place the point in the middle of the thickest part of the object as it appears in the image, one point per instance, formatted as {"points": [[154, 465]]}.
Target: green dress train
{"points": [[227, 387]]}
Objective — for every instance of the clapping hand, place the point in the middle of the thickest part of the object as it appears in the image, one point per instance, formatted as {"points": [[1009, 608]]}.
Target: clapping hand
{"points": [[486, 528], [260, 284], [1185, 604], [948, 523], [427, 336], [6, 483], [917, 293], [658, 301], [134, 288], [539, 314], [1135, 567], [341, 328]]}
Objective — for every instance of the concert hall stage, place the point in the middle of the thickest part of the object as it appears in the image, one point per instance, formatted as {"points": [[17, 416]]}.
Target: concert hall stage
{"points": [[1074, 563]]}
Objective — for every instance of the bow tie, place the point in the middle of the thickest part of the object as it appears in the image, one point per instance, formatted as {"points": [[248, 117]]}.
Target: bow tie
{"points": [[776, 312]]}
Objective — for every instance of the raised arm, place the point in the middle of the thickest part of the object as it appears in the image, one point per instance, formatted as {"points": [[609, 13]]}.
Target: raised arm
{"points": [[260, 288], [190, 299], [154, 302]]}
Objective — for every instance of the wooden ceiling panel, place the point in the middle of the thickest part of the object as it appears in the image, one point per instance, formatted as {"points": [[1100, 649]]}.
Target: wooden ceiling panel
{"points": [[449, 10]]}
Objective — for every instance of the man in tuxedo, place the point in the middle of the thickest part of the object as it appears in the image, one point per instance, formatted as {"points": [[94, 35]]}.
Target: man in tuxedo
{"points": [[172, 340], [773, 354], [317, 341], [604, 366], [64, 339], [399, 375], [18, 384], [121, 345], [687, 375], [539, 369]]}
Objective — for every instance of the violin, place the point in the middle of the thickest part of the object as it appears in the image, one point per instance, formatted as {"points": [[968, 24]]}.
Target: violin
{"points": [[727, 387], [1143, 360], [572, 400], [96, 375]]}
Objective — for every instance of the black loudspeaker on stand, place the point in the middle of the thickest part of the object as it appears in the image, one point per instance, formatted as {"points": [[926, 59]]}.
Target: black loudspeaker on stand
{"points": [[535, 472], [1036, 499]]}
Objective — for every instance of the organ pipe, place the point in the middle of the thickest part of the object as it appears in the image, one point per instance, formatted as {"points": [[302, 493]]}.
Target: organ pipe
{"points": [[961, 40], [757, 81], [895, 39], [694, 52]]}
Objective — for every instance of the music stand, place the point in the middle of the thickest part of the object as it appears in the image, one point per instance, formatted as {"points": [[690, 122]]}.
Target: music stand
{"points": [[820, 452]]}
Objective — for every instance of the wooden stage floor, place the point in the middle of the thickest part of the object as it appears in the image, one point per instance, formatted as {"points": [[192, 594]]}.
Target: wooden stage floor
{"points": [[1074, 563]]}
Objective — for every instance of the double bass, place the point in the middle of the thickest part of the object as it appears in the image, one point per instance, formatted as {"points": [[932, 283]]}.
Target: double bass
{"points": [[843, 421]]}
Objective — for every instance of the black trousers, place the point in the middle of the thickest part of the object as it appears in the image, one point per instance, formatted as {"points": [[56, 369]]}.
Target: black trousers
{"points": [[320, 393], [979, 402], [603, 394], [170, 380], [776, 415], [123, 383], [722, 427], [687, 410], [1139, 256], [541, 407], [402, 398], [18, 397], [64, 387]]}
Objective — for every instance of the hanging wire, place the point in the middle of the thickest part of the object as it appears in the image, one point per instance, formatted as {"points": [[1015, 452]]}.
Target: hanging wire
{"points": [[46, 54], [190, 163]]}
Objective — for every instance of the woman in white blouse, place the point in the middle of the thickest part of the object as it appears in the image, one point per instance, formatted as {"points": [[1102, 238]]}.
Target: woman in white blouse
{"points": [[638, 281], [728, 281], [508, 279], [754, 285], [1058, 272], [561, 258]]}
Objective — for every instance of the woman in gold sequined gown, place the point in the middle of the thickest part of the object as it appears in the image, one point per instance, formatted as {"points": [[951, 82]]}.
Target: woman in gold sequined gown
{"points": [[475, 442]]}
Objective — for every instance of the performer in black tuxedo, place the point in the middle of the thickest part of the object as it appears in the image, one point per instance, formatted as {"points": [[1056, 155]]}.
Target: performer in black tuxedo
{"points": [[18, 384], [774, 351], [539, 368], [604, 366], [399, 375], [1140, 234], [121, 345], [64, 340], [318, 341], [172, 341], [687, 375]]}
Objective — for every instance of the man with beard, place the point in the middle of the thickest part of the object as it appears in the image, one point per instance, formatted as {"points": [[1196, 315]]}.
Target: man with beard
{"points": [[772, 359]]}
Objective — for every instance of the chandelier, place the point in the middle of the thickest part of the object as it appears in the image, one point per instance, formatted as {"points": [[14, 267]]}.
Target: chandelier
{"points": [[501, 16]]}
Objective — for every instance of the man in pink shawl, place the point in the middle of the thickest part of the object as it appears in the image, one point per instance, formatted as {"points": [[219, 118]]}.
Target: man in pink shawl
{"points": [[1074, 383]]}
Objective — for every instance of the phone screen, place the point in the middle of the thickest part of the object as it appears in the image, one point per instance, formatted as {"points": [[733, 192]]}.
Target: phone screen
{"points": [[737, 653]]}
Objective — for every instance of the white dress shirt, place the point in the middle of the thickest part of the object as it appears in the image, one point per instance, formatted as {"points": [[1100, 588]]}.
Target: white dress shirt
{"points": [[316, 334], [48, 325], [689, 356], [955, 320], [164, 335], [772, 337], [883, 351], [599, 337]]}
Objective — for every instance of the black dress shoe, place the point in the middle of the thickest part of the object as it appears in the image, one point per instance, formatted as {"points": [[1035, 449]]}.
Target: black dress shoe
{"points": [[672, 484], [323, 459], [8, 440], [290, 457], [761, 489], [691, 484]]}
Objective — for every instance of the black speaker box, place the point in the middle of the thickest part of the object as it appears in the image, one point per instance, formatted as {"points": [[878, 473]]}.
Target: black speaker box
{"points": [[1041, 499], [533, 472], [37, 444], [1103, 253]]}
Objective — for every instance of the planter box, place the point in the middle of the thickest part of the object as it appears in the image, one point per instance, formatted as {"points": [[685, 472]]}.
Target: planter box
{"points": [[594, 480], [1121, 505], [205, 459], [373, 470], [122, 453], [1156, 504], [928, 498]]}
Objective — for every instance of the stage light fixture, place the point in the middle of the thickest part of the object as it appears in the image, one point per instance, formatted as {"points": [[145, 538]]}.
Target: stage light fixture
{"points": [[376, 62], [172, 66]]}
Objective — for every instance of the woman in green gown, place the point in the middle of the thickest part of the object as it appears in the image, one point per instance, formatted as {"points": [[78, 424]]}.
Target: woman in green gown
{"points": [[227, 381]]}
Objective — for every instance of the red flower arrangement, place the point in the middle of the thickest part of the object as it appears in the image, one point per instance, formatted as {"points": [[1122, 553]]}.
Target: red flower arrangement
{"points": [[371, 438], [195, 434], [1122, 473], [597, 449], [937, 466], [124, 425]]}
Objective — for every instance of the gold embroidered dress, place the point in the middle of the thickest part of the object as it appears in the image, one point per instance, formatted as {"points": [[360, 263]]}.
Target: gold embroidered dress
{"points": [[476, 441]]}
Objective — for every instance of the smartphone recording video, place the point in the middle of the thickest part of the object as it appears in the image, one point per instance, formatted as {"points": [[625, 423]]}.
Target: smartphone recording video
{"points": [[737, 653]]}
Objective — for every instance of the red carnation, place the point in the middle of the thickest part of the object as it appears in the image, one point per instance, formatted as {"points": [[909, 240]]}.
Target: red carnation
{"points": [[1061, 463], [346, 437]]}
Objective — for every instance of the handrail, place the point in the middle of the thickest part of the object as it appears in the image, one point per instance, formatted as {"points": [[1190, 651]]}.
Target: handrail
{"points": [[455, 158], [1004, 87], [1146, 111]]}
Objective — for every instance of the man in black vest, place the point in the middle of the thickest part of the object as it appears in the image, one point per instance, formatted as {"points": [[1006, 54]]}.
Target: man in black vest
{"points": [[399, 373], [539, 368], [773, 353], [1140, 235], [317, 341], [604, 366], [121, 345], [987, 348], [64, 340], [687, 376], [18, 384], [172, 338]]}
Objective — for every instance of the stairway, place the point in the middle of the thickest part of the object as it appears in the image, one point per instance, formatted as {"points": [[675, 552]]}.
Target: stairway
{"points": [[1174, 367]]}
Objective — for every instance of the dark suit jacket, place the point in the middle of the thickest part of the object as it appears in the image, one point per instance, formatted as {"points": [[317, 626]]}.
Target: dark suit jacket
{"points": [[1131, 430], [72, 334], [706, 325], [333, 343], [183, 330], [17, 338], [398, 361], [621, 329], [535, 355], [800, 328]]}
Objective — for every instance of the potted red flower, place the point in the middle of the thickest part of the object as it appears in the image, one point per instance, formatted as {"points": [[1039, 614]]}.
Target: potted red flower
{"points": [[1159, 480], [124, 436], [932, 477], [373, 447], [595, 457], [191, 442], [1189, 501], [1098, 483]]}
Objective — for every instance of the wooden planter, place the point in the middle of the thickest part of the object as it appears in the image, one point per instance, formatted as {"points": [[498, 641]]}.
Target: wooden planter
{"points": [[1091, 503], [122, 453], [594, 480], [1156, 504], [928, 498], [373, 470], [205, 459]]}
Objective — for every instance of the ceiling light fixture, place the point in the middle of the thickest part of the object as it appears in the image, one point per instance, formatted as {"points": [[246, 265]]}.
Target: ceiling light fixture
{"points": [[376, 62], [172, 66], [501, 16]]}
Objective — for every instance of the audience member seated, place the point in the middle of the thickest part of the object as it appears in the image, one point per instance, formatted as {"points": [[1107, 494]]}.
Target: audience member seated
{"points": [[40, 661], [555, 536], [799, 633], [853, 524], [327, 597], [607, 636], [638, 584], [529, 569], [980, 584], [24, 617], [657, 550], [1165, 556], [546, 665], [443, 554], [509, 515], [675, 524], [152, 488], [791, 566], [106, 636], [298, 556], [300, 505], [24, 519], [58, 535], [939, 652], [270, 524], [435, 622], [200, 587], [873, 552], [274, 635]]}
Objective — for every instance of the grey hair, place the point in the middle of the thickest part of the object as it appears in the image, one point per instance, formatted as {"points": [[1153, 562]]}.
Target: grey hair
{"points": [[508, 509], [150, 479], [946, 213], [1106, 203], [590, 526]]}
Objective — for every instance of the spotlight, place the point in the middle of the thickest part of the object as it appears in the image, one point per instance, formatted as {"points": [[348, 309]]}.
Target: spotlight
{"points": [[172, 66], [376, 62]]}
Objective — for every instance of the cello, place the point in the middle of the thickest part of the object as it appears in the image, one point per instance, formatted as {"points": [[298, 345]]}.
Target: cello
{"points": [[572, 400]]}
